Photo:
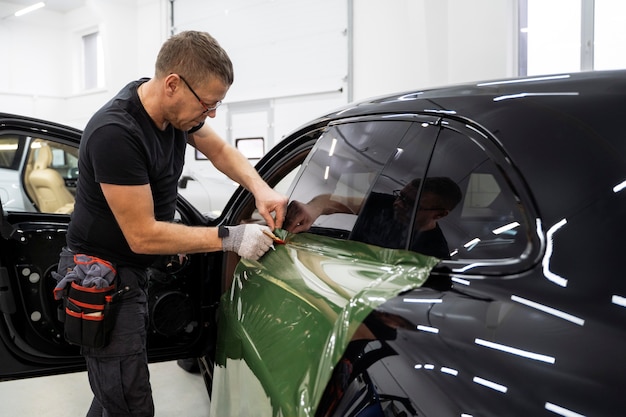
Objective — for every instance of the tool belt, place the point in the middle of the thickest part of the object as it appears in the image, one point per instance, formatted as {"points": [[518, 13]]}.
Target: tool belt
{"points": [[89, 315], [88, 311]]}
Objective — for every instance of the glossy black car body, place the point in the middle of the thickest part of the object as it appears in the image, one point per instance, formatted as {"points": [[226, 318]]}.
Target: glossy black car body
{"points": [[530, 320]]}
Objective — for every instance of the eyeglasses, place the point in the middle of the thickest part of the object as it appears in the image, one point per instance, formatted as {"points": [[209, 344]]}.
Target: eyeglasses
{"points": [[402, 197], [409, 201], [206, 107]]}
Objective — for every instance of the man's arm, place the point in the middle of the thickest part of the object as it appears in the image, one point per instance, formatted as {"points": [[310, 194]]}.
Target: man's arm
{"points": [[133, 208], [237, 167], [134, 211]]}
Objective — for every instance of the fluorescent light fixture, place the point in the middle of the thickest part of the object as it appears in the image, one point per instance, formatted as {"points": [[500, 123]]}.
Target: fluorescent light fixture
{"points": [[562, 411], [522, 95], [515, 351], [619, 300], [423, 300], [332, 147], [557, 313], [472, 242], [427, 329], [449, 371], [505, 228], [440, 111], [30, 9], [461, 281], [412, 96], [619, 187], [551, 276], [524, 80], [490, 384]]}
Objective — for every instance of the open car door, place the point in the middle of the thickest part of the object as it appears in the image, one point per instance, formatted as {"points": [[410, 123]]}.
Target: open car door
{"points": [[31, 328], [182, 299]]}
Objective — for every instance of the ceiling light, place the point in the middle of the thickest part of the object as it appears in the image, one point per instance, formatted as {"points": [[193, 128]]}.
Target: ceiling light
{"points": [[30, 9]]}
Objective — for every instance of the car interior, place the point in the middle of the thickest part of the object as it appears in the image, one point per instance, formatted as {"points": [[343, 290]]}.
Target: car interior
{"points": [[45, 185], [39, 174]]}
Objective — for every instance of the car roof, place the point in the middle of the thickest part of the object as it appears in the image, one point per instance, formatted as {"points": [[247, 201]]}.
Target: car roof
{"points": [[564, 133]]}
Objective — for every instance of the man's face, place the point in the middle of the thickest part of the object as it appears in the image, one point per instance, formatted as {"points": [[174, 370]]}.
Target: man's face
{"points": [[428, 212], [403, 204], [198, 102]]}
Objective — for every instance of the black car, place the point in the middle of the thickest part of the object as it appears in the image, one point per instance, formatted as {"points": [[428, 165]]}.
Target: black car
{"points": [[518, 307]]}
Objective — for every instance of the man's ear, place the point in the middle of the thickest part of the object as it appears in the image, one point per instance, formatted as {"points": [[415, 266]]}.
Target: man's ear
{"points": [[171, 83]]}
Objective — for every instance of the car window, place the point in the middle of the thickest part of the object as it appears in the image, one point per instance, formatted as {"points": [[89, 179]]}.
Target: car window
{"points": [[50, 176], [488, 222], [37, 174], [452, 201], [342, 167], [9, 154], [386, 215]]}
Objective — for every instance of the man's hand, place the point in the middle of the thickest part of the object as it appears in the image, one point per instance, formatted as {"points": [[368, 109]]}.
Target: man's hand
{"points": [[269, 201], [300, 217], [247, 240]]}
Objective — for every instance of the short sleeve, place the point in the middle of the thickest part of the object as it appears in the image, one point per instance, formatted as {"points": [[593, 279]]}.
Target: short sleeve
{"points": [[117, 156]]}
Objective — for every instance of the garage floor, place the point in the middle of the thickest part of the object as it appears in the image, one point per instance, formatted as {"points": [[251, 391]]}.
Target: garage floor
{"points": [[176, 393]]}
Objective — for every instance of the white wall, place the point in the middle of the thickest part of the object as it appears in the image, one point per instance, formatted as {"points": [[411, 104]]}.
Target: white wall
{"points": [[40, 70], [31, 79], [292, 54], [413, 44]]}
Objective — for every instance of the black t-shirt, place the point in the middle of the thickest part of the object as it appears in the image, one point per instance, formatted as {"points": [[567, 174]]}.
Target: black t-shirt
{"points": [[122, 145], [377, 225]]}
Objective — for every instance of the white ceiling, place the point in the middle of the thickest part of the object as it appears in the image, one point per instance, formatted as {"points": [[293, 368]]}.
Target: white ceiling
{"points": [[61, 6]]}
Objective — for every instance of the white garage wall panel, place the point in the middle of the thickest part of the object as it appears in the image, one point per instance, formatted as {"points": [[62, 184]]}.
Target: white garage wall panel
{"points": [[30, 48], [410, 44], [290, 60], [278, 47]]}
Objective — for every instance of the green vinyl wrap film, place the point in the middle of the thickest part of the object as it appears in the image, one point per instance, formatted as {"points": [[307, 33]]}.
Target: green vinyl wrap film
{"points": [[287, 319]]}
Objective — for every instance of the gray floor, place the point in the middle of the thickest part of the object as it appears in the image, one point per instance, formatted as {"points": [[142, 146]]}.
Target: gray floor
{"points": [[176, 393]]}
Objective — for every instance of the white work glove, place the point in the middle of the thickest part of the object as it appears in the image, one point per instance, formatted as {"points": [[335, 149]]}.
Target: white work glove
{"points": [[248, 240]]}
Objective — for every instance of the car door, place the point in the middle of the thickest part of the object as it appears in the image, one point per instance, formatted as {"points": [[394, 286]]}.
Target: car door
{"points": [[345, 159], [182, 293], [497, 329], [416, 365]]}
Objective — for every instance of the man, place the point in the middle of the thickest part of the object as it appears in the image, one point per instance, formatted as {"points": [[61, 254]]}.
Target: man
{"points": [[385, 219], [439, 196], [131, 157]]}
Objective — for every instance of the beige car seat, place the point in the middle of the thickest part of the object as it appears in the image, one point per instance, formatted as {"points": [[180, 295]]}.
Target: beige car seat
{"points": [[48, 185]]}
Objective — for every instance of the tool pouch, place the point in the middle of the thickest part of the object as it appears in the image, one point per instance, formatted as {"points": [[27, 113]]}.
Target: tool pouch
{"points": [[89, 315]]}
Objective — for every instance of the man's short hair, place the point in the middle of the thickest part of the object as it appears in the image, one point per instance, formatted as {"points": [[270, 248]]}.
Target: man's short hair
{"points": [[446, 190], [196, 56]]}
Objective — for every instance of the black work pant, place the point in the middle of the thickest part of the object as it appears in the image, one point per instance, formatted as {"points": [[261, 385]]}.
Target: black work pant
{"points": [[118, 373]]}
